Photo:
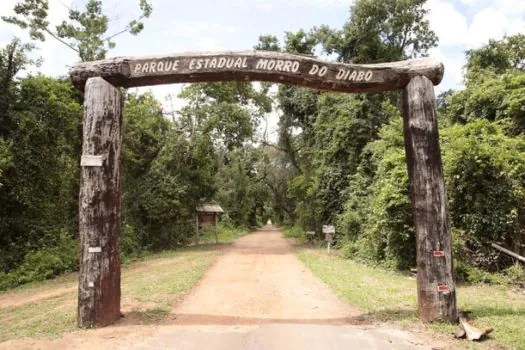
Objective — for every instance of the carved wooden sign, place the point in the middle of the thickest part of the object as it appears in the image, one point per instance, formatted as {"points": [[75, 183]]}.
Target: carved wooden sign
{"points": [[257, 66]]}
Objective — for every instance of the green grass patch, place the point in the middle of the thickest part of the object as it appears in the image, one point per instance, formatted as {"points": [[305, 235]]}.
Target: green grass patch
{"points": [[225, 234], [295, 232], [391, 297], [149, 316], [150, 287]]}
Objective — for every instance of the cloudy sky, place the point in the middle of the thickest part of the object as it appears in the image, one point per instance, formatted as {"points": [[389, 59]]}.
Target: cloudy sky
{"points": [[211, 25]]}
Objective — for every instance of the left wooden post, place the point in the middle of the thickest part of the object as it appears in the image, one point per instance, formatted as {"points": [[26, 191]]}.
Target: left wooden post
{"points": [[99, 205]]}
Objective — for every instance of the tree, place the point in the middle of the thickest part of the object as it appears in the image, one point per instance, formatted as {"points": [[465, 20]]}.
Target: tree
{"points": [[481, 137], [230, 112], [242, 191], [497, 56], [322, 134], [13, 59], [39, 192], [495, 85], [380, 31], [85, 32]]}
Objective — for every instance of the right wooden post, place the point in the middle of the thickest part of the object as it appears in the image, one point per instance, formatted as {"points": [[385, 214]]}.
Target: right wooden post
{"points": [[435, 280]]}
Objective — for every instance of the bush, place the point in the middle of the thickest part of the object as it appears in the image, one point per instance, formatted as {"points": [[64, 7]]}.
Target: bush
{"points": [[484, 174], [44, 263], [376, 224], [485, 183], [514, 275], [129, 243]]}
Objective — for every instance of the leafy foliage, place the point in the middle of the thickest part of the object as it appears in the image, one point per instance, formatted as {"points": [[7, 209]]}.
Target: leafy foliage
{"points": [[381, 31], [323, 135], [484, 173], [41, 171], [84, 32]]}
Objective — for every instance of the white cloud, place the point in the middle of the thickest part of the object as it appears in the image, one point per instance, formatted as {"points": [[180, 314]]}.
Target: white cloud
{"points": [[512, 8], [453, 63], [264, 7], [487, 24], [48, 50], [269, 5], [447, 22], [489, 19], [193, 29], [210, 44], [471, 2]]}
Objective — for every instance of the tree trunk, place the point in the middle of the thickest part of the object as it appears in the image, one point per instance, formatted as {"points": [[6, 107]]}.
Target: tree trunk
{"points": [[99, 206], [435, 281]]}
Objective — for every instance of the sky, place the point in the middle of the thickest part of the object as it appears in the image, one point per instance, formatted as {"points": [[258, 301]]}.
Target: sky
{"points": [[216, 25]]}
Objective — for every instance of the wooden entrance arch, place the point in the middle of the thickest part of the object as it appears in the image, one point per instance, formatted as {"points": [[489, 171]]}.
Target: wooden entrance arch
{"points": [[100, 191]]}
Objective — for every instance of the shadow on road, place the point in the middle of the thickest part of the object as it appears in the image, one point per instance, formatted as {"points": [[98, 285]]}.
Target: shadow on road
{"points": [[196, 319], [393, 315]]}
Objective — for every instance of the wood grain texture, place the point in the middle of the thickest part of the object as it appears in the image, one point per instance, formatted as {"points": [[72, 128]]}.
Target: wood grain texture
{"points": [[256, 66], [99, 207], [435, 282]]}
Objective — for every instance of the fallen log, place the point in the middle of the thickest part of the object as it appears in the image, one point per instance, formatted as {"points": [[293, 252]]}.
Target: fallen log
{"points": [[466, 329], [508, 252]]}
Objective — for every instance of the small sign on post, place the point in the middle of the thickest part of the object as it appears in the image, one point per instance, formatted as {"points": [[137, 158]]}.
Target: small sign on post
{"points": [[90, 160], [328, 231], [443, 288]]}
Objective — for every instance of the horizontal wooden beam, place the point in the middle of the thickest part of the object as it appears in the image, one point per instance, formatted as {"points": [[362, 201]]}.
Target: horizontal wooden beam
{"points": [[268, 66]]}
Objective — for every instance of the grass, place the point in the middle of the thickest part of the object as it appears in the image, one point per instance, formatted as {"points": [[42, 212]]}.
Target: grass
{"points": [[390, 297], [149, 289], [225, 234], [295, 232]]}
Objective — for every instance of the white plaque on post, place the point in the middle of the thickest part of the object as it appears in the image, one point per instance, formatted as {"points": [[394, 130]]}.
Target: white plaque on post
{"points": [[88, 160]]}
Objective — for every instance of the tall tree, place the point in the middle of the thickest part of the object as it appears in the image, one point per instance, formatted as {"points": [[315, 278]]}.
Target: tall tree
{"points": [[39, 183], [495, 85], [85, 32], [381, 31], [14, 58], [324, 134], [230, 112]]}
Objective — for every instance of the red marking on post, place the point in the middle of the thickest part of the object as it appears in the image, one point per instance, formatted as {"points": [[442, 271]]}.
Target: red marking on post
{"points": [[442, 288], [439, 253]]}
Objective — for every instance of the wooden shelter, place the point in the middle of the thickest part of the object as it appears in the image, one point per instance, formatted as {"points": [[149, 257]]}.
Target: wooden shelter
{"points": [[207, 215]]}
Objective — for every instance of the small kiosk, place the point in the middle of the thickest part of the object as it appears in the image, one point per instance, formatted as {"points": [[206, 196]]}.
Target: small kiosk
{"points": [[207, 215]]}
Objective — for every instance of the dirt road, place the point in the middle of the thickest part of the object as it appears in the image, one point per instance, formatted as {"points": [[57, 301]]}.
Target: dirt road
{"points": [[257, 295]]}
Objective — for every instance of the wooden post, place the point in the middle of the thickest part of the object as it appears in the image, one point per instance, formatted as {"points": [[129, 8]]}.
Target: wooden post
{"points": [[197, 229], [99, 206], [435, 282]]}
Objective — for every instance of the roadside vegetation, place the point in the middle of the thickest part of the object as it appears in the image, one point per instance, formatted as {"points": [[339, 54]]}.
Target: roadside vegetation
{"points": [[225, 233], [388, 296], [150, 288]]}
